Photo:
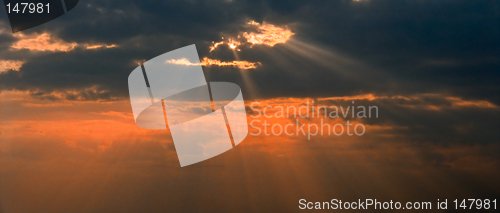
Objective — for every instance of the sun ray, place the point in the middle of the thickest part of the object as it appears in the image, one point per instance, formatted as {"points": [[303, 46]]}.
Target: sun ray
{"points": [[247, 80]]}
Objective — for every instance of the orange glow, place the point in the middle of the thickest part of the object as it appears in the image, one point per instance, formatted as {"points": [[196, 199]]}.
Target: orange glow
{"points": [[98, 46], [233, 43], [267, 34], [86, 153], [182, 61], [463, 103], [42, 42], [240, 64], [6, 65], [138, 62], [46, 42], [93, 127], [370, 97], [70, 120], [78, 123], [213, 62], [215, 45]]}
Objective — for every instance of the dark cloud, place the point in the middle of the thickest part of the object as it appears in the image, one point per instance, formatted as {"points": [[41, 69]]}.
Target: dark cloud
{"points": [[431, 118], [406, 47]]}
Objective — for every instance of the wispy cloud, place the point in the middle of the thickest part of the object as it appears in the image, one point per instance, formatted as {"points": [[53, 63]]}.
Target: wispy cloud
{"points": [[182, 61], [265, 34], [46, 42], [240, 64], [214, 62], [42, 42], [99, 46], [6, 65]]}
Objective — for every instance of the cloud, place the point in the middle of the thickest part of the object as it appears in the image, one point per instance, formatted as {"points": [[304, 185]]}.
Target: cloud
{"points": [[85, 94], [423, 118], [87, 152], [49, 43], [42, 42], [423, 101], [213, 62], [182, 61], [98, 46], [430, 66], [6, 65], [239, 64], [265, 34]]}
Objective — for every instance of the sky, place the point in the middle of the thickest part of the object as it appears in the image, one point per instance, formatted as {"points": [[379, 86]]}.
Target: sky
{"points": [[69, 143]]}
